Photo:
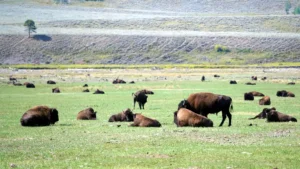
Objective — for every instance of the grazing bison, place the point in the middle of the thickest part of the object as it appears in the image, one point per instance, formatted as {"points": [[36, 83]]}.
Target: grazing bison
{"points": [[116, 81], [265, 100], [30, 85], [185, 117], [205, 103], [254, 77], [39, 116], [126, 115], [249, 83], [87, 114], [232, 82], [55, 90], [291, 83], [263, 114], [86, 90], [98, 92], [51, 82], [85, 85], [203, 78], [141, 121], [255, 93], [248, 96], [275, 116]]}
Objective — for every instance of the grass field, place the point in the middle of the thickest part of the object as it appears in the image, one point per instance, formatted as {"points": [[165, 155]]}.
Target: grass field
{"points": [[100, 144]]}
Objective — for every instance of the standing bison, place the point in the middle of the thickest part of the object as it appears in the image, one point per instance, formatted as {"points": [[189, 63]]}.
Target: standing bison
{"points": [[275, 116], [141, 121], [205, 103], [39, 116], [185, 117], [141, 97], [263, 114], [87, 114], [265, 101], [126, 115]]}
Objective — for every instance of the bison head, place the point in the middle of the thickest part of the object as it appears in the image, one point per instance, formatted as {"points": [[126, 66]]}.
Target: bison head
{"points": [[184, 104], [128, 114], [53, 116]]}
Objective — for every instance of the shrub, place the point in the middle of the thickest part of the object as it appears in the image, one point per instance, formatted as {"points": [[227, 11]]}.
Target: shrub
{"points": [[297, 10], [288, 6], [221, 48]]}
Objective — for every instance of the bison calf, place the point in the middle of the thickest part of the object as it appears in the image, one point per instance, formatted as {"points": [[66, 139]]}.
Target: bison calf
{"points": [[185, 117], [275, 116], [248, 96], [39, 116], [126, 115], [265, 100], [87, 114], [142, 121], [263, 114]]}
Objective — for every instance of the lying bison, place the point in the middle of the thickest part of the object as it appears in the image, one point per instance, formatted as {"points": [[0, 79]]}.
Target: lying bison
{"points": [[51, 82], [87, 114], [253, 77], [55, 90], [185, 117], [263, 114], [275, 116], [116, 81], [141, 121], [86, 90], [205, 103], [85, 85], [284, 93], [232, 82], [126, 115], [255, 93], [291, 83], [141, 97], [30, 85], [216, 75], [266, 100], [98, 92], [248, 96], [249, 83], [39, 116], [264, 78]]}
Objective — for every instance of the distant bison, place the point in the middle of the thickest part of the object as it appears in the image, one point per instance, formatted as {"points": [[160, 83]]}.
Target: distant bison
{"points": [[132, 82], [205, 103], [263, 114], [275, 116], [141, 97], [30, 85], [216, 75], [39, 116], [185, 117], [291, 83], [265, 100], [126, 115], [51, 82], [12, 79], [203, 78], [264, 78], [284, 93], [141, 121], [85, 85], [248, 96], [86, 90], [116, 81], [98, 92], [55, 90], [249, 83], [255, 93], [232, 82], [87, 114], [254, 77], [17, 83]]}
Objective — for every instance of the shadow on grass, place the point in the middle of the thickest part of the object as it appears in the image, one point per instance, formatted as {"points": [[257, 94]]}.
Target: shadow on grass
{"points": [[44, 38]]}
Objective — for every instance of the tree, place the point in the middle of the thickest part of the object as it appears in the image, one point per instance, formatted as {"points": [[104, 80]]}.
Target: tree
{"points": [[30, 26], [288, 6], [297, 10]]}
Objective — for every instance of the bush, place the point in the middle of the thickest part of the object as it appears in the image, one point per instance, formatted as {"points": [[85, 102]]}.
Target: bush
{"points": [[220, 48], [297, 10], [288, 6]]}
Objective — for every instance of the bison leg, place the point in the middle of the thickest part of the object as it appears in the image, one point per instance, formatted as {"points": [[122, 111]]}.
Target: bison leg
{"points": [[224, 114]]}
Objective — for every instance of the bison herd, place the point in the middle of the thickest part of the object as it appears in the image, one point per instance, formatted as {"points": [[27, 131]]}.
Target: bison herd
{"points": [[192, 111]]}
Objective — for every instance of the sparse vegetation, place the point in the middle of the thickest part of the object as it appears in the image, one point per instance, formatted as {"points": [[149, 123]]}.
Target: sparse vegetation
{"points": [[221, 48]]}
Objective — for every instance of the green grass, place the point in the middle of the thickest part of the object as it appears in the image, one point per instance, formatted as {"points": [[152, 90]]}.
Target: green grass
{"points": [[99, 144]]}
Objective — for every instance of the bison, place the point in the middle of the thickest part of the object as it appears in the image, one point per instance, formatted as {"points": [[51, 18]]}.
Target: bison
{"points": [[248, 96], [232, 82], [132, 82], [39, 116], [249, 83], [86, 90], [98, 92], [255, 93], [30, 85], [284, 93], [185, 117], [55, 90], [87, 114], [275, 116], [85, 85], [126, 115], [264, 78], [265, 101], [216, 75], [205, 103], [203, 78], [141, 97], [116, 81], [141, 121], [263, 114], [254, 77], [290, 94], [17, 83], [51, 82], [291, 83]]}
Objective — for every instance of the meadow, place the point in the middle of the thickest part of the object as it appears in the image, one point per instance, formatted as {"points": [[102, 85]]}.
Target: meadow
{"points": [[99, 144]]}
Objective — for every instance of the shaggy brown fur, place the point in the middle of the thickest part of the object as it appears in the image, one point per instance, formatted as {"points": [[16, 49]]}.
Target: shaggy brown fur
{"points": [[185, 117], [205, 103], [87, 114], [126, 115], [255, 93], [263, 114], [55, 90], [290, 94], [116, 81], [266, 100], [248, 96], [39, 116], [142, 121], [141, 98], [275, 116]]}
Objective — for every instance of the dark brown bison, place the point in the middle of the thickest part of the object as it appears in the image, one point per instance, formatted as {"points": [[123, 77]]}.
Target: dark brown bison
{"points": [[126, 115], [141, 121], [185, 117], [86, 90], [264, 78], [55, 90], [30, 85], [249, 83], [98, 92], [203, 78], [254, 77], [284, 93], [255, 93], [145, 91], [205, 103], [266, 100], [232, 82], [248, 96], [291, 83], [290, 94], [17, 83], [87, 114], [39, 116], [141, 98], [216, 75], [132, 82], [116, 81], [263, 114], [85, 85], [275, 116], [12, 78], [51, 82]]}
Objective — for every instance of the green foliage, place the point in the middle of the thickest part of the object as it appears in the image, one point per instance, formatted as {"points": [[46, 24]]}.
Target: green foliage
{"points": [[297, 10], [62, 1], [221, 48], [288, 6], [30, 26]]}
